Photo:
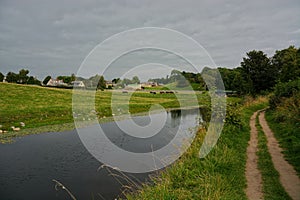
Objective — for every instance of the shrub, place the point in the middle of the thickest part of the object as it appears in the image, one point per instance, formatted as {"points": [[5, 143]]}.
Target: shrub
{"points": [[283, 91], [233, 115]]}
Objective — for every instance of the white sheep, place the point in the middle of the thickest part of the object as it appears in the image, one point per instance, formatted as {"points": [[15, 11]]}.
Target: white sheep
{"points": [[15, 128]]}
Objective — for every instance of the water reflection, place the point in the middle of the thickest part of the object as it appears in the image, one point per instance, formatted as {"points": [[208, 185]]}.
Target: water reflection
{"points": [[28, 165]]}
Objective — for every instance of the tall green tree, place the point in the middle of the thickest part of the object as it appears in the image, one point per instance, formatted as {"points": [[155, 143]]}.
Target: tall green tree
{"points": [[66, 79], [1, 77], [73, 77], [135, 80], [287, 62], [126, 81], [258, 72], [11, 77], [101, 84], [33, 81], [46, 80], [116, 80], [22, 76]]}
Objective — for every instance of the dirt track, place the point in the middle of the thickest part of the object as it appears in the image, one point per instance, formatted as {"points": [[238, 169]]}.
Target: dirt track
{"points": [[288, 176], [253, 175]]}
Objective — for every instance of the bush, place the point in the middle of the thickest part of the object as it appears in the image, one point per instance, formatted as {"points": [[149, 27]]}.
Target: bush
{"points": [[283, 91], [288, 109], [233, 115]]}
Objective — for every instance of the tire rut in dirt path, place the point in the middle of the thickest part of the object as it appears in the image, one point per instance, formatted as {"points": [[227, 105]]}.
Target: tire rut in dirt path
{"points": [[253, 175], [288, 176]]}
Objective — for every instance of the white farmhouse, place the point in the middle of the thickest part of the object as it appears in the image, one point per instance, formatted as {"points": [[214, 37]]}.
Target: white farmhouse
{"points": [[78, 84], [56, 82]]}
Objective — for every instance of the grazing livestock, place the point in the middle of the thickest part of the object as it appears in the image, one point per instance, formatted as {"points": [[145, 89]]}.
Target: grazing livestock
{"points": [[15, 128], [170, 92]]}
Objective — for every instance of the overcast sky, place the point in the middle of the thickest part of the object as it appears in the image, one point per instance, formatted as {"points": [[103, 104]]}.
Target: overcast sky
{"points": [[53, 37]]}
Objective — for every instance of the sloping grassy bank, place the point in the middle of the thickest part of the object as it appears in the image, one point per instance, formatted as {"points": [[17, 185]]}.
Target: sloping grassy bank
{"points": [[220, 175], [44, 109]]}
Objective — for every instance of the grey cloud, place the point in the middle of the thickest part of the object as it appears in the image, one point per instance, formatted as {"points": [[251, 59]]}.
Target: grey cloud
{"points": [[53, 37]]}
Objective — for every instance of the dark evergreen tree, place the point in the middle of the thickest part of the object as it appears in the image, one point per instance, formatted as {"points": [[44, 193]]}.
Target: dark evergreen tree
{"points": [[46, 80], [1, 77], [257, 72], [287, 64], [101, 84], [11, 77]]}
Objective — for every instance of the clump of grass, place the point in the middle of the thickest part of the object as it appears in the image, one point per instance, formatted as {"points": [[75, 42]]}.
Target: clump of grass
{"points": [[250, 101], [272, 187]]}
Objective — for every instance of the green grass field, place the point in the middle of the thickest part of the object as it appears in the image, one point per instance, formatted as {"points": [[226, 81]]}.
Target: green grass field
{"points": [[50, 107]]}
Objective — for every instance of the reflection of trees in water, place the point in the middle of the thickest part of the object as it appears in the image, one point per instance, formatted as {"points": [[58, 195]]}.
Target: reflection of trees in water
{"points": [[175, 114], [205, 113]]}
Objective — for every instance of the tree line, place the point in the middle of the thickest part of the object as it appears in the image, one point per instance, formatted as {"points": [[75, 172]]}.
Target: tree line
{"points": [[21, 78], [96, 81], [257, 74]]}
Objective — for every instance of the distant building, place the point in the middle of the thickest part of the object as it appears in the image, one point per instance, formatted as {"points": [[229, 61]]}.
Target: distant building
{"points": [[78, 84], [109, 84], [4, 79], [56, 82], [133, 87], [149, 84]]}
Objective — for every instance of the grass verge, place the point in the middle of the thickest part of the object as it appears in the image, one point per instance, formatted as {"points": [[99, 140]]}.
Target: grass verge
{"points": [[220, 175], [272, 187]]}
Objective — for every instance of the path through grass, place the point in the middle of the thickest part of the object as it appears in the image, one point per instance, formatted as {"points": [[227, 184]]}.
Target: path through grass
{"points": [[272, 187], [220, 175]]}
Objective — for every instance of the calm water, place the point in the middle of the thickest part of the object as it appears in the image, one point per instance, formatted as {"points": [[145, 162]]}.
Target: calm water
{"points": [[29, 165]]}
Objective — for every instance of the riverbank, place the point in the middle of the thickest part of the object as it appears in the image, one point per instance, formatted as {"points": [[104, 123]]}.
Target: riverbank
{"points": [[43, 109], [220, 175], [9, 137]]}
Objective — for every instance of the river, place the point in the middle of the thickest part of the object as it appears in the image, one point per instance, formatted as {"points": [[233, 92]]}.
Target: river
{"points": [[29, 164]]}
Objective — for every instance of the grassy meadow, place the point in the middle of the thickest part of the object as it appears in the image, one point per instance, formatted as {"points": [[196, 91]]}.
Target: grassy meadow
{"points": [[45, 109]]}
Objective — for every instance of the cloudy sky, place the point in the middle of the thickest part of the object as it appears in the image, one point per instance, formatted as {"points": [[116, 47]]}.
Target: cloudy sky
{"points": [[54, 37]]}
